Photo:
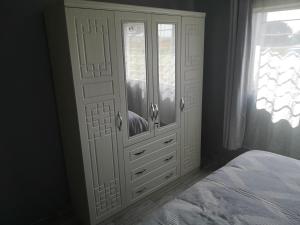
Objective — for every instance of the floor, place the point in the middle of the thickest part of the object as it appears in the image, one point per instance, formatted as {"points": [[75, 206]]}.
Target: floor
{"points": [[135, 213]]}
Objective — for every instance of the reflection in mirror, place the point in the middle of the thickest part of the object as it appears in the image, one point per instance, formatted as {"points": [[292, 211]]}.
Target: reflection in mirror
{"points": [[166, 74], [136, 77]]}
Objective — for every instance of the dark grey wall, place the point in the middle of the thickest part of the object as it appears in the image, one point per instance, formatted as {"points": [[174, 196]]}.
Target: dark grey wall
{"points": [[215, 60], [33, 181], [34, 184], [216, 37]]}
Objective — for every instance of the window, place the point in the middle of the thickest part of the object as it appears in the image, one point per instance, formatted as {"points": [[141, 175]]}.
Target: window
{"points": [[276, 64]]}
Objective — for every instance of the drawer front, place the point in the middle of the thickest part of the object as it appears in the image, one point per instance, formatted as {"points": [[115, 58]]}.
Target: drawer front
{"points": [[146, 168], [150, 165], [141, 151], [152, 157], [151, 185]]}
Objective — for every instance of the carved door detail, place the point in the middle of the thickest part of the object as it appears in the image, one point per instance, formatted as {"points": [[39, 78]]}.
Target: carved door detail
{"points": [[93, 46], [100, 120]]}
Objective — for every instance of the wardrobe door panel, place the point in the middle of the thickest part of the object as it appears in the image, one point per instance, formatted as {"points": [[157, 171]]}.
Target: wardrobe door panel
{"points": [[134, 53], [166, 71], [191, 91], [93, 57]]}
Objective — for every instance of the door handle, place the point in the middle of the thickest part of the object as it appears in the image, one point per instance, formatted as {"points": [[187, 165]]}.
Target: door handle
{"points": [[120, 121], [156, 110], [181, 104], [152, 111]]}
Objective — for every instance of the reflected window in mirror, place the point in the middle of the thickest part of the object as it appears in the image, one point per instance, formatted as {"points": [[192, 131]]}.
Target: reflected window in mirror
{"points": [[166, 74]]}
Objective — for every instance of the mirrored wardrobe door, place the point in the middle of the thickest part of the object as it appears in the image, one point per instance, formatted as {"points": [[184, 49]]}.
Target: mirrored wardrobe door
{"points": [[166, 71], [134, 53]]}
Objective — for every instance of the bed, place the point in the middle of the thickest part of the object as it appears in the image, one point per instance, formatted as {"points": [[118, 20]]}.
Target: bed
{"points": [[257, 187]]}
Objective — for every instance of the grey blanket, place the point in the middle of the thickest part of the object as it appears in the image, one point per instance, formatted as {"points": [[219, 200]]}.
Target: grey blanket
{"points": [[137, 124], [257, 188]]}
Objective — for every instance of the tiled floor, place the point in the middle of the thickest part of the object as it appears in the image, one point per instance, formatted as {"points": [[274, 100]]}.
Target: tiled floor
{"points": [[135, 213]]}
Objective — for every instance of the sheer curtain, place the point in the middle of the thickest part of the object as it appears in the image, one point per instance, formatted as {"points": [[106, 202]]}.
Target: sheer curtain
{"points": [[273, 110]]}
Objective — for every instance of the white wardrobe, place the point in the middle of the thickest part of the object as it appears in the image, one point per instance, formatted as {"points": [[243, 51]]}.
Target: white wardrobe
{"points": [[128, 83]]}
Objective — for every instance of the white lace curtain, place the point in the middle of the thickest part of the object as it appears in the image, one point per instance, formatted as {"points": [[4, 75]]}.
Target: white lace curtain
{"points": [[271, 117], [276, 63], [274, 114]]}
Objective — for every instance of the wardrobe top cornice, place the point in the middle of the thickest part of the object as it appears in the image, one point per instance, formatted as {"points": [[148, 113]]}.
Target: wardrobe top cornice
{"points": [[128, 8]]}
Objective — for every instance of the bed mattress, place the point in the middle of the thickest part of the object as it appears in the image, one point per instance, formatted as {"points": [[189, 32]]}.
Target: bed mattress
{"points": [[257, 187]]}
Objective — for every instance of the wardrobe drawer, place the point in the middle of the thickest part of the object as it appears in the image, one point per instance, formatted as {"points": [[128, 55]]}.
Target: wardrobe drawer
{"points": [[153, 184], [146, 169], [153, 174], [141, 151], [150, 158]]}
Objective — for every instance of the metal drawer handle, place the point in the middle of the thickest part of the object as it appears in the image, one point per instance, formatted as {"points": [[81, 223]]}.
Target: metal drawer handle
{"points": [[169, 176], [141, 191], [168, 159], [141, 172], [139, 153], [168, 141]]}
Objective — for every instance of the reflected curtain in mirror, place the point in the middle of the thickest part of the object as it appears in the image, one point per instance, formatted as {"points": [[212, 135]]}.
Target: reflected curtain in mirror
{"points": [[136, 77]]}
